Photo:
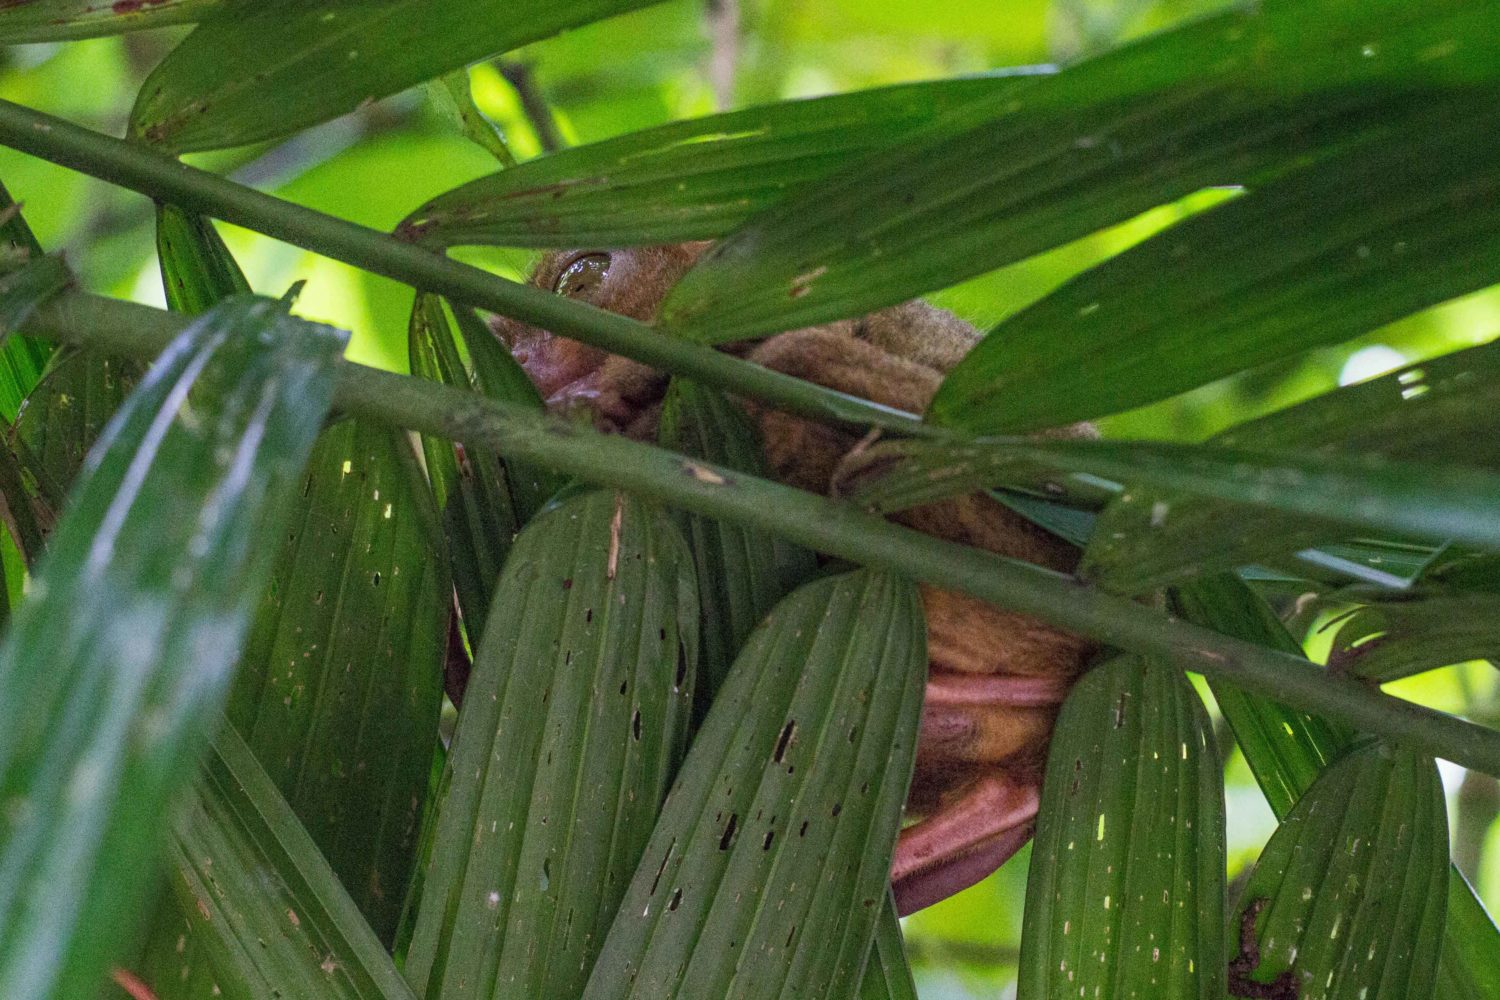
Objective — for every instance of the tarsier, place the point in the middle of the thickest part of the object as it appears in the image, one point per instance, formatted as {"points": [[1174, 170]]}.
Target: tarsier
{"points": [[995, 677]]}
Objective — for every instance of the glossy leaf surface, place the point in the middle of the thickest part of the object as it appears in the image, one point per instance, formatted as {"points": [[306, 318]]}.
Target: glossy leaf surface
{"points": [[693, 179], [768, 869], [266, 70], [113, 671], [1352, 491], [1315, 257], [573, 725], [1126, 892], [1229, 99]]}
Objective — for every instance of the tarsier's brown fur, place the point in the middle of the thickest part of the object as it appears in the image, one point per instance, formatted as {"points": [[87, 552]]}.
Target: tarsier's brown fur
{"points": [[896, 357]]}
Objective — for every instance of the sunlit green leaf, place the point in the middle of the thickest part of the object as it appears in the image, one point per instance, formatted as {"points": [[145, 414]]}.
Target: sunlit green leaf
{"points": [[742, 572], [265, 70], [1231, 99], [1126, 893], [1426, 412], [1311, 258], [573, 724], [1347, 899], [767, 872], [259, 900], [22, 359], [197, 270], [114, 670], [687, 180], [452, 96], [54, 20]]}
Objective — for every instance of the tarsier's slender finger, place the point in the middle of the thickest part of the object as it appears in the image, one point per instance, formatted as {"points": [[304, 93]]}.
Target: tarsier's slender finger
{"points": [[963, 842]]}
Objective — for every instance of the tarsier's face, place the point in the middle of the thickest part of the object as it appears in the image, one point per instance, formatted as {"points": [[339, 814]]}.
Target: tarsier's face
{"points": [[995, 678]]}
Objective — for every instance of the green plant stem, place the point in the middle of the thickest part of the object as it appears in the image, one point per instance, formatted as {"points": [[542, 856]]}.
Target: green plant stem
{"points": [[139, 168], [835, 528]]}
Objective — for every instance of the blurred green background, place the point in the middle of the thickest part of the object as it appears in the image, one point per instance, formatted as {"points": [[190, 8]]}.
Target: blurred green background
{"points": [[682, 59]]}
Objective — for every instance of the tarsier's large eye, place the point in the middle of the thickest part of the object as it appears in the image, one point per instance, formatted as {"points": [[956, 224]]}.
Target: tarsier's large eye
{"points": [[583, 276]]}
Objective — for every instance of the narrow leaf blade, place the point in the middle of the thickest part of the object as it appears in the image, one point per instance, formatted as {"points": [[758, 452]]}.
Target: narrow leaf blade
{"points": [[266, 70], [573, 725], [768, 868], [114, 668], [1126, 892], [258, 898], [687, 180], [1348, 898], [742, 572]]}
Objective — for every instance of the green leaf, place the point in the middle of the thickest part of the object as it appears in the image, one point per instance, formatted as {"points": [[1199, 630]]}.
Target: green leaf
{"points": [[887, 976], [1439, 502], [115, 667], [1312, 258], [1126, 892], [341, 682], [1286, 750], [1397, 635], [22, 359], [1347, 899], [1229, 99], [742, 571], [499, 376], [573, 724], [267, 70], [258, 899], [28, 507], [64, 414], [57, 20], [471, 489], [1425, 412], [197, 271], [687, 180], [27, 284], [454, 100], [768, 869]]}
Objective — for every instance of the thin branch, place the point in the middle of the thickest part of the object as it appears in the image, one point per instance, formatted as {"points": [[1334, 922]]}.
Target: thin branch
{"points": [[523, 81], [723, 17], [832, 527], [133, 166]]}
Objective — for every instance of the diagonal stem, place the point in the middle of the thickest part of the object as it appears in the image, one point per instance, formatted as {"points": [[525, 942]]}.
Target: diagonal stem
{"points": [[829, 526], [139, 168]]}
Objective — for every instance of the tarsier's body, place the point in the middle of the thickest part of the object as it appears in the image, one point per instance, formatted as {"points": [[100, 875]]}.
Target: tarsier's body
{"points": [[995, 677]]}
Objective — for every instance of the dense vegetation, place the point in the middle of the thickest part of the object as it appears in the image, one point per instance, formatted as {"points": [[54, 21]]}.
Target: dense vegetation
{"points": [[1252, 243]]}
